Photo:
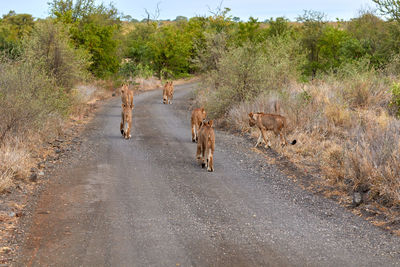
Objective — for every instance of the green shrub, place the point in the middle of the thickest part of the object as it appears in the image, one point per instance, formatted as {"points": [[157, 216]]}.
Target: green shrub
{"points": [[28, 98], [395, 101], [49, 45], [242, 73]]}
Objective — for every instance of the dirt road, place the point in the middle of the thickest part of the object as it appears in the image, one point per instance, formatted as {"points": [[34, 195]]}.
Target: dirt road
{"points": [[146, 202]]}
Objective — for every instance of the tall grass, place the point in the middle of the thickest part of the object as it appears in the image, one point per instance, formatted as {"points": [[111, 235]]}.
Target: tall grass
{"points": [[35, 97], [344, 121]]}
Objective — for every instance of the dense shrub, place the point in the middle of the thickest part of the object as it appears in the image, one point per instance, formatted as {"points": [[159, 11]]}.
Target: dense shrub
{"points": [[28, 97], [242, 73], [50, 46]]}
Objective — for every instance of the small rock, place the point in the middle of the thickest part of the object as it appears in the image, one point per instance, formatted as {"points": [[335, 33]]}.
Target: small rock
{"points": [[41, 173], [357, 198], [113, 94], [11, 214], [50, 165], [41, 164], [58, 151], [33, 177], [44, 212]]}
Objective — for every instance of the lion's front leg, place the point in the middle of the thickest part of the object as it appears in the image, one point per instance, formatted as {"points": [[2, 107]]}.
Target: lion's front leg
{"points": [[265, 137], [259, 139]]}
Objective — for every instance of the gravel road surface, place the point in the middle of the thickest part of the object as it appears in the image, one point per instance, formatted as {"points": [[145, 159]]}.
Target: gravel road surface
{"points": [[147, 202]]}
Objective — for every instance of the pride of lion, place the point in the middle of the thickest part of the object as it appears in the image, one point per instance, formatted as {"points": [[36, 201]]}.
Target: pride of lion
{"points": [[203, 130]]}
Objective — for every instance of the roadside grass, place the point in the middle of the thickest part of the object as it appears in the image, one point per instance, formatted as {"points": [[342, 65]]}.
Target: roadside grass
{"points": [[345, 122]]}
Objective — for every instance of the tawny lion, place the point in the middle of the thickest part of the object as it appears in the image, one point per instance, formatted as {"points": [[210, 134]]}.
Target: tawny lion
{"points": [[127, 96], [198, 115], [206, 145], [168, 93], [126, 121], [269, 122]]}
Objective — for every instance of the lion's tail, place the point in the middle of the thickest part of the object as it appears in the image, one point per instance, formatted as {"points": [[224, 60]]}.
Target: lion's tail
{"points": [[284, 129]]}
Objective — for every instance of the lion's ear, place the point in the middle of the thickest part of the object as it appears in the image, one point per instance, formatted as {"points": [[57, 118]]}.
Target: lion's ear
{"points": [[251, 114], [202, 110], [211, 122]]}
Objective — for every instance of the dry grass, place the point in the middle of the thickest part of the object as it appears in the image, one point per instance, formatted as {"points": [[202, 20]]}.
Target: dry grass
{"points": [[15, 163], [343, 126]]}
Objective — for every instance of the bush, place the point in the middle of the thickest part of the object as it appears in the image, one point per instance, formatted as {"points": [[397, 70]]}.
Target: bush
{"points": [[49, 45], [242, 73], [395, 101], [28, 97]]}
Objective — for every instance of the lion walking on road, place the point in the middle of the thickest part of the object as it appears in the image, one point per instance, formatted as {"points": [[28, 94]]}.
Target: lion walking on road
{"points": [[168, 93], [206, 145]]}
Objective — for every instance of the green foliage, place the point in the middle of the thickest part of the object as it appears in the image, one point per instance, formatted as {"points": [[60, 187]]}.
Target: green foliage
{"points": [[279, 26], [250, 31], [50, 47], [313, 23], [336, 47], [131, 69], [243, 73], [395, 101], [29, 98], [374, 36], [93, 28], [389, 7], [13, 27]]}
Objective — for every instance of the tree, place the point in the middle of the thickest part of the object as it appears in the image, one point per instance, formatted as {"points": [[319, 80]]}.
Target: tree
{"points": [[181, 18], [93, 28], [389, 7], [313, 23], [13, 27], [279, 26]]}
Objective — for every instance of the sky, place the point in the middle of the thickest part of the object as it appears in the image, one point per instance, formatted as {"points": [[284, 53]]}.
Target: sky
{"points": [[169, 9]]}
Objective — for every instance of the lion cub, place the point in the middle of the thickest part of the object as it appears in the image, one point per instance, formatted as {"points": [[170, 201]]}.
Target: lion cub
{"points": [[168, 93], [198, 115], [206, 145], [269, 122], [127, 96], [126, 121]]}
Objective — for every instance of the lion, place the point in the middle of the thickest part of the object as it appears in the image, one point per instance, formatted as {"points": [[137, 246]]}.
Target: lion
{"points": [[127, 96], [126, 121], [198, 115], [168, 93], [206, 145], [269, 122]]}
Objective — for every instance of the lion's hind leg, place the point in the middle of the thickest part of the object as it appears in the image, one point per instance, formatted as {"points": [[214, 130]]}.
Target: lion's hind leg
{"points": [[121, 126]]}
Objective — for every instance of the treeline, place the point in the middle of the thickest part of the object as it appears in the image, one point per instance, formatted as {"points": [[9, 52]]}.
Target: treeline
{"points": [[174, 48]]}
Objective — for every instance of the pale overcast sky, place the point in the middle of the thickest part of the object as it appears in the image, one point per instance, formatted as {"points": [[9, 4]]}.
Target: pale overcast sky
{"points": [[261, 9]]}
